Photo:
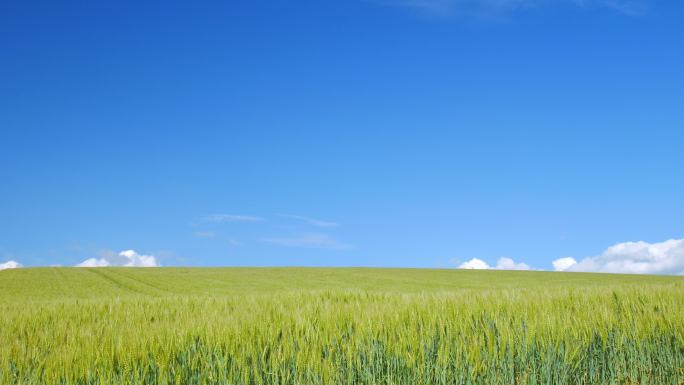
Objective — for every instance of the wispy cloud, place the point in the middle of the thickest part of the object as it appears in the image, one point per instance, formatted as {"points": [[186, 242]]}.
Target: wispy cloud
{"points": [[308, 240], [495, 7], [633, 7], [221, 218], [310, 221], [128, 258], [205, 234]]}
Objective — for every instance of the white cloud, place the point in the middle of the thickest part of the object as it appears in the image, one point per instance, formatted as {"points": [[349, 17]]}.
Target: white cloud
{"points": [[128, 258], [474, 264], [10, 265], [309, 240], [221, 218], [205, 234], [637, 258], [509, 264], [562, 264], [503, 263], [94, 262], [311, 221]]}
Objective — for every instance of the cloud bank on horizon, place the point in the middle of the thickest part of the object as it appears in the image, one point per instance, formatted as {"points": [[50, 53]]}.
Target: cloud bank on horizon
{"points": [[10, 265], [623, 258], [562, 264], [126, 258], [633, 258], [502, 264]]}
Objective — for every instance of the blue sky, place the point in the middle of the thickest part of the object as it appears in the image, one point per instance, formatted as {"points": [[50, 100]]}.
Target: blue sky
{"points": [[422, 133]]}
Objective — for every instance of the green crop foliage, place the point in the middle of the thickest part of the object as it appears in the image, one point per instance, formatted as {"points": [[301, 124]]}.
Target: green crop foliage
{"points": [[308, 326]]}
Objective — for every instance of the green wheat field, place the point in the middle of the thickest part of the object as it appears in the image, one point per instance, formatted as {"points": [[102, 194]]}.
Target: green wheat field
{"points": [[337, 326]]}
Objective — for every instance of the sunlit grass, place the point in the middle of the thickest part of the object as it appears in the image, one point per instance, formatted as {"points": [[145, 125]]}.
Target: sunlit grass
{"points": [[338, 326]]}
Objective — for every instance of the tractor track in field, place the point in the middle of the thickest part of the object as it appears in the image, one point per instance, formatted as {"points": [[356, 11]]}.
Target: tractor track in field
{"points": [[119, 281], [141, 282], [116, 283], [62, 278]]}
